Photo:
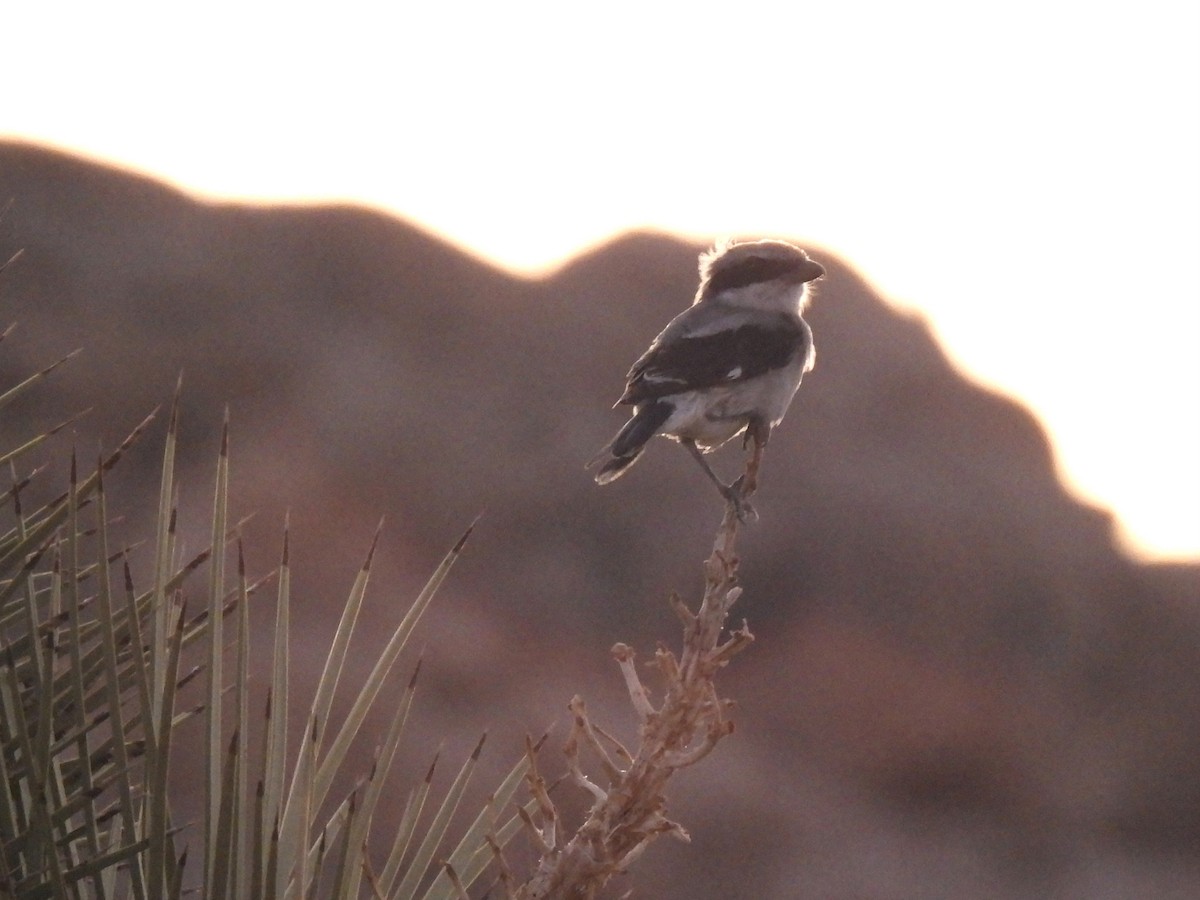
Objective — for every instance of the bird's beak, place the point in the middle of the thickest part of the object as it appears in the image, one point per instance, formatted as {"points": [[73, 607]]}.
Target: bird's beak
{"points": [[809, 271]]}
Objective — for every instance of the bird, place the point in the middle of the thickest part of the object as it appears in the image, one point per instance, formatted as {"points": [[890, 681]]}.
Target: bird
{"points": [[729, 364]]}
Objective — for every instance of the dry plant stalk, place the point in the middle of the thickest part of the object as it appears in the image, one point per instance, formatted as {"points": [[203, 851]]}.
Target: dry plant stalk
{"points": [[630, 811]]}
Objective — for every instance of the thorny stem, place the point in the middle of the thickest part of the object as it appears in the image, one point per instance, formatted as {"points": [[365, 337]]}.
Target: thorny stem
{"points": [[628, 814]]}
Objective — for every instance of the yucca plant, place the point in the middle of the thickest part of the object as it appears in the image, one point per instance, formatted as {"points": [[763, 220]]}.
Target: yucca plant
{"points": [[90, 678]]}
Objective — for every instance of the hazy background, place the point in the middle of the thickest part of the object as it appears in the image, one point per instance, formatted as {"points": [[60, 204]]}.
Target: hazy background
{"points": [[1023, 174], [978, 660], [962, 686]]}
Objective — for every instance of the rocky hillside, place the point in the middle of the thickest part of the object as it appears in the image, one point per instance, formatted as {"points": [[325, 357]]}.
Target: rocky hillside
{"points": [[960, 687]]}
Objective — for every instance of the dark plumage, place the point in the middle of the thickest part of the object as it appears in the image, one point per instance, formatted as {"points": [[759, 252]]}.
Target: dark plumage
{"points": [[692, 363]]}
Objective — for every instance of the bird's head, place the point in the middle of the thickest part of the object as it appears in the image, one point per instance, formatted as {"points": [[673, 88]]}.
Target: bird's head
{"points": [[766, 274]]}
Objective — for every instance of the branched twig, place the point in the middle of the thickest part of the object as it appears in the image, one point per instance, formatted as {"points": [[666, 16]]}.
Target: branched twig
{"points": [[627, 815]]}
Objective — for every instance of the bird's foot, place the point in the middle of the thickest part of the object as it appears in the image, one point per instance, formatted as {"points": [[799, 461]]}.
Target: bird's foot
{"points": [[735, 495]]}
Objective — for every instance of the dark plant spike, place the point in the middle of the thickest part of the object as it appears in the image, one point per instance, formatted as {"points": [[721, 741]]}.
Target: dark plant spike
{"points": [[130, 827], [385, 754], [436, 830], [12, 393], [257, 848], [41, 438], [161, 855], [226, 831], [275, 753], [215, 641], [345, 857], [474, 851], [407, 828], [375, 681], [142, 673], [164, 549], [50, 517], [336, 657], [20, 485], [243, 803], [4, 265], [66, 563]]}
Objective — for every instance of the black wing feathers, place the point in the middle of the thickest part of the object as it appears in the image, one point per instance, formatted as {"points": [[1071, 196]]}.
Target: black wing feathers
{"points": [[630, 439], [695, 363]]}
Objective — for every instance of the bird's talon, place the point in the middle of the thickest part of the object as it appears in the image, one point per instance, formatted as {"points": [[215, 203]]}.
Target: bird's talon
{"points": [[735, 497], [744, 511]]}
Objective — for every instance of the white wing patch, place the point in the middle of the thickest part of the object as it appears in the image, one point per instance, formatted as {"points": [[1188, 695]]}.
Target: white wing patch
{"points": [[659, 377]]}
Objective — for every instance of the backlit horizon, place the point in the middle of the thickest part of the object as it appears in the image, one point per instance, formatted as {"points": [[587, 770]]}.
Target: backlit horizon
{"points": [[1042, 158]]}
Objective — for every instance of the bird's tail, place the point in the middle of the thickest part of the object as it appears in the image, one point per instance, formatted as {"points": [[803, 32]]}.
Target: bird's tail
{"points": [[623, 451]]}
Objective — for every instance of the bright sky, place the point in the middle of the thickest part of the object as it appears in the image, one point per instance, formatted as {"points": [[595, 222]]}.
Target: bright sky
{"points": [[1024, 174]]}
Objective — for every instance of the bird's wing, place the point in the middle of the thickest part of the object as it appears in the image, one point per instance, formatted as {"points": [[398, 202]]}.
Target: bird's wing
{"points": [[675, 364]]}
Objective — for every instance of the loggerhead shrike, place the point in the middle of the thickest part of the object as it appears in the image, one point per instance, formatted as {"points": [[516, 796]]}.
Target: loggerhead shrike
{"points": [[729, 363]]}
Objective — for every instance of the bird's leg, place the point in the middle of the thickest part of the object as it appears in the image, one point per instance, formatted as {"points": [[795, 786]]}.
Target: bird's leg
{"points": [[759, 432], [733, 493], [699, 457]]}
